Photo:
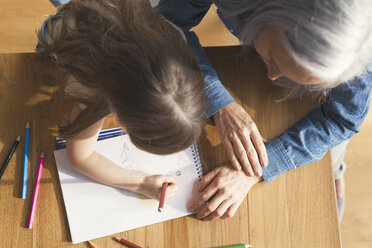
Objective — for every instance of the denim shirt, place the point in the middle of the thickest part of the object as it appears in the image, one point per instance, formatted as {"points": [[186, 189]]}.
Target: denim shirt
{"points": [[306, 141]]}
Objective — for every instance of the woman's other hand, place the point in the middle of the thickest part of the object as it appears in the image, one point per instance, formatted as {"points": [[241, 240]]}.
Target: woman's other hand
{"points": [[222, 191]]}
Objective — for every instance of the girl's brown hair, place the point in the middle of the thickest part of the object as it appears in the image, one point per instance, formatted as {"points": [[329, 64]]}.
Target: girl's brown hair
{"points": [[139, 66]]}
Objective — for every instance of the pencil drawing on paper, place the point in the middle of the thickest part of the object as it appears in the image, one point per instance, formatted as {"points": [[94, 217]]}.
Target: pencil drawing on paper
{"points": [[132, 158], [125, 162]]}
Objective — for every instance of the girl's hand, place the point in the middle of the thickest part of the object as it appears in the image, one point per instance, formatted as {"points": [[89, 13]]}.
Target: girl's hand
{"points": [[241, 138], [153, 185]]}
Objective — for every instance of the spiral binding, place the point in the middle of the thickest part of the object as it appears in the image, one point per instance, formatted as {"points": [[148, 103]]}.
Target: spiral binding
{"points": [[198, 164]]}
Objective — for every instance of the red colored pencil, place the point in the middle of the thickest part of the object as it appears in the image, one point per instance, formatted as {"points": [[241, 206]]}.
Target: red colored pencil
{"points": [[92, 245], [162, 197], [126, 243]]}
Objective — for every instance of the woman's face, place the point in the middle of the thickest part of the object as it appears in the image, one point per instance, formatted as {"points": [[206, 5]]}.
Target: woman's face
{"points": [[269, 45]]}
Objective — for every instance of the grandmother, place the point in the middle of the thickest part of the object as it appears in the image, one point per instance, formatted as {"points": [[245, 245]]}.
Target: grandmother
{"points": [[317, 47]]}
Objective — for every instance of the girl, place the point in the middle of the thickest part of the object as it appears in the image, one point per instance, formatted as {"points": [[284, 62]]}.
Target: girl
{"points": [[123, 58]]}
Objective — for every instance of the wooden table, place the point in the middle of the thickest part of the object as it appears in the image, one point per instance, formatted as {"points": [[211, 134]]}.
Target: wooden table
{"points": [[295, 210], [20, 19]]}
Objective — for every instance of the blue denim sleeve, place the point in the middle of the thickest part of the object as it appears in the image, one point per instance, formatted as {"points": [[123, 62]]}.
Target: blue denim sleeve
{"points": [[216, 96], [321, 129], [187, 14], [45, 37]]}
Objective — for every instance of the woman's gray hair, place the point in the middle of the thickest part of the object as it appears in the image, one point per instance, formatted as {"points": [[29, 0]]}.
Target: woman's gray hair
{"points": [[332, 39]]}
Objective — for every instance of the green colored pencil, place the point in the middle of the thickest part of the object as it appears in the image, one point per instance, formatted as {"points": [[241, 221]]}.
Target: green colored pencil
{"points": [[237, 246]]}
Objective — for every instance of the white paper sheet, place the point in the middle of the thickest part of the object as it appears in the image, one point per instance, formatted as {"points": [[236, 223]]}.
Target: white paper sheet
{"points": [[95, 210]]}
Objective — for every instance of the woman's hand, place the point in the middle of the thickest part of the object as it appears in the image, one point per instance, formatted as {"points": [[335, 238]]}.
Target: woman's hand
{"points": [[222, 191], [153, 185], [241, 138]]}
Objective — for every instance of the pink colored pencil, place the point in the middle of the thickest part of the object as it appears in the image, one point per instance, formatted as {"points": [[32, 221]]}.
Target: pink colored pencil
{"points": [[36, 191]]}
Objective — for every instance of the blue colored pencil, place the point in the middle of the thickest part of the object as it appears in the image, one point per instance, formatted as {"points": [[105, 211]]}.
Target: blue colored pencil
{"points": [[110, 135], [104, 134], [101, 133], [107, 133], [25, 161], [109, 130]]}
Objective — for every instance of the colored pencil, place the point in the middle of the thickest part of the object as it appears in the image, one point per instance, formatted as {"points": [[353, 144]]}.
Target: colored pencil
{"points": [[104, 134], [12, 150], [92, 245], [126, 243], [36, 191], [25, 161], [109, 130], [162, 197]]}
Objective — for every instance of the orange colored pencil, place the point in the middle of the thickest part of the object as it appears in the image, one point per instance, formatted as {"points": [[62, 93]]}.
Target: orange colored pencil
{"points": [[126, 243]]}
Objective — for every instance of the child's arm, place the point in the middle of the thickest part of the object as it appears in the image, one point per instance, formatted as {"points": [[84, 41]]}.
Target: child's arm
{"points": [[80, 151]]}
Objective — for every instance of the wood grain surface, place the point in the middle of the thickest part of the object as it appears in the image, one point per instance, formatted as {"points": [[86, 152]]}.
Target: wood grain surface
{"points": [[19, 22], [356, 228], [295, 210]]}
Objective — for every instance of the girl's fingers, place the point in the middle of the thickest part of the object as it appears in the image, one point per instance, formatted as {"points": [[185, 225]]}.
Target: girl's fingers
{"points": [[171, 191], [169, 179]]}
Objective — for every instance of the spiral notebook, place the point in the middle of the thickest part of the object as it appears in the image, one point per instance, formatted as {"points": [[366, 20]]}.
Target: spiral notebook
{"points": [[95, 210]]}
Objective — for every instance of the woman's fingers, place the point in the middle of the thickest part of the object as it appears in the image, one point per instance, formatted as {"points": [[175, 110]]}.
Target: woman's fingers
{"points": [[231, 211], [203, 197], [259, 145], [251, 154], [219, 211], [243, 142], [231, 153], [241, 153], [207, 179], [211, 206]]}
